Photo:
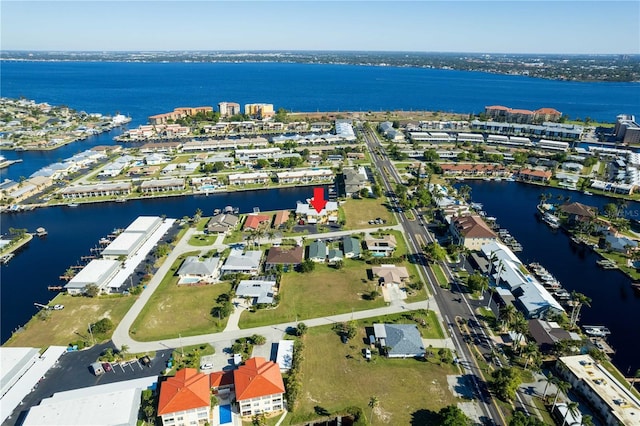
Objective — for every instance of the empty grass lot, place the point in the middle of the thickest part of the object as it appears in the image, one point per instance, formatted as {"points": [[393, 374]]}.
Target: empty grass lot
{"points": [[183, 309], [325, 291], [359, 212], [409, 391], [200, 240], [71, 323]]}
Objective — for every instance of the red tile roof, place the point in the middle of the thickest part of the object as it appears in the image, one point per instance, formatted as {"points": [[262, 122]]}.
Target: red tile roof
{"points": [[281, 218], [257, 377], [537, 173], [549, 111], [254, 220], [473, 226], [187, 390], [220, 378], [498, 107]]}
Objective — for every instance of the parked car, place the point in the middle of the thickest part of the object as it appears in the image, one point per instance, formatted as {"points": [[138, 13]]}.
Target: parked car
{"points": [[206, 366], [145, 360], [58, 307], [107, 367]]}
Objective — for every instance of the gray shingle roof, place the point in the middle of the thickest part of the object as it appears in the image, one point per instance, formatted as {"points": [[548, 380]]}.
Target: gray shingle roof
{"points": [[192, 265], [404, 340]]}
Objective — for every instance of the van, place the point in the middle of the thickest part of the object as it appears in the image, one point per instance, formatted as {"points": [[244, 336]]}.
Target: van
{"points": [[97, 369]]}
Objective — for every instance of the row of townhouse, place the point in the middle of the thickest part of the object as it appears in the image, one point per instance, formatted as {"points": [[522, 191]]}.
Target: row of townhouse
{"points": [[296, 176], [256, 126], [222, 144], [70, 165], [121, 188], [474, 170], [502, 113], [178, 113], [313, 139], [545, 130]]}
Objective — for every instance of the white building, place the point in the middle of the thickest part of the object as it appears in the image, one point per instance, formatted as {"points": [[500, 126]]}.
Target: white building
{"points": [[98, 272], [284, 357]]}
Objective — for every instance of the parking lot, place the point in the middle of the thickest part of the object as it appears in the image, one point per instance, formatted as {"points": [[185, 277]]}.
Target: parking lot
{"points": [[73, 372]]}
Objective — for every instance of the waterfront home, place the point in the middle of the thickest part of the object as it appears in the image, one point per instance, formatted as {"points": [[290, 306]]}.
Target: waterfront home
{"points": [[474, 170], [96, 190], [289, 258], [317, 251], [161, 147], [390, 274], [351, 247], [381, 247], [471, 231], [259, 387], [162, 185], [547, 333], [281, 218], [305, 176], [155, 159], [578, 212], [534, 175], [619, 244], [98, 272], [249, 178], [28, 188], [185, 398], [528, 295], [612, 401], [255, 221], [194, 270], [354, 180], [222, 222], [258, 290], [132, 238], [179, 113], [244, 262], [309, 214], [399, 340]]}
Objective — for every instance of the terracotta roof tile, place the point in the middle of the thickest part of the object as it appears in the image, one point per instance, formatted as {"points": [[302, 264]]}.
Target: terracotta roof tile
{"points": [[257, 377], [187, 390]]}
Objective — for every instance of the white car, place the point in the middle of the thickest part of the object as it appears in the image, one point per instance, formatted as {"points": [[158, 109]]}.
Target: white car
{"points": [[58, 307], [206, 366]]}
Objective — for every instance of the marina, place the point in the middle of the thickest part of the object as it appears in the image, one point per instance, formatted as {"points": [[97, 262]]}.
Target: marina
{"points": [[509, 240]]}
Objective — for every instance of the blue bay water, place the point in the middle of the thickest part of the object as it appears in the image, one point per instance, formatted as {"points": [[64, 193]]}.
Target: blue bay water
{"points": [[143, 89]]}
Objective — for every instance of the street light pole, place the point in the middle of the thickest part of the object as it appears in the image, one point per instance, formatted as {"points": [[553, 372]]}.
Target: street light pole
{"points": [[91, 333], [181, 348]]}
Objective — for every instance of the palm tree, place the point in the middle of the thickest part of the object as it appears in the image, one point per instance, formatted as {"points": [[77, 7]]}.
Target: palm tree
{"points": [[561, 387], [572, 407], [520, 326], [551, 380], [124, 349], [579, 299], [508, 315], [587, 420], [373, 403], [531, 354]]}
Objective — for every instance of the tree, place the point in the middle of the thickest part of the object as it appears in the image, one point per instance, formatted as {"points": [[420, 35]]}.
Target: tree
{"points": [[124, 349], [377, 190], [262, 163], [508, 316], [102, 326], [551, 380], [431, 155], [578, 299], [92, 290], [364, 193], [338, 264], [572, 407], [435, 252], [562, 387], [307, 266], [373, 403], [611, 211], [451, 415], [505, 381], [258, 339], [197, 216], [477, 282], [521, 419], [301, 329]]}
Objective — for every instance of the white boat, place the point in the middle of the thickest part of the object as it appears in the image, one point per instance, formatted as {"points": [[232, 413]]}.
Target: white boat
{"points": [[596, 330], [72, 205], [587, 193]]}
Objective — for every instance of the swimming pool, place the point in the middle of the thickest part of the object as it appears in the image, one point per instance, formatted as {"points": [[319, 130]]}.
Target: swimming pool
{"points": [[207, 187], [225, 414], [189, 280]]}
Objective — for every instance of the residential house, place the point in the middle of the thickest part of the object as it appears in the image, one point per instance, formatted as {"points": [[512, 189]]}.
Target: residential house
{"points": [[185, 399], [96, 190], [255, 221], [155, 159], [222, 222], [289, 258], [334, 256], [259, 387], [308, 213], [390, 274], [399, 340], [619, 243], [260, 290], [245, 262], [318, 251], [351, 247], [381, 247], [547, 333], [534, 175], [249, 178], [195, 270], [578, 212], [305, 176], [354, 180], [471, 231], [281, 218]]}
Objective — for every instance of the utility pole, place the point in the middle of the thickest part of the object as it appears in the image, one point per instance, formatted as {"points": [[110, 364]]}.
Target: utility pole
{"points": [[181, 348], [91, 333]]}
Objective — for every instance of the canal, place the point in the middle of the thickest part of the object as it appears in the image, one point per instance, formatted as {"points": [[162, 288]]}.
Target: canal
{"points": [[614, 302]]}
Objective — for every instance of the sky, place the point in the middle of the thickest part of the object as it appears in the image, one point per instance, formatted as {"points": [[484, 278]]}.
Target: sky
{"points": [[543, 26]]}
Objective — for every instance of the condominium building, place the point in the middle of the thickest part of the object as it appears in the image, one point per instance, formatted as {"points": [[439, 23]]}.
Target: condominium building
{"points": [[228, 109], [259, 110]]}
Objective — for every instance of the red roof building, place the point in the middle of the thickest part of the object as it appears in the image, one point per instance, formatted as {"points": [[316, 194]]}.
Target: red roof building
{"points": [[471, 231], [185, 398], [259, 387], [254, 221]]}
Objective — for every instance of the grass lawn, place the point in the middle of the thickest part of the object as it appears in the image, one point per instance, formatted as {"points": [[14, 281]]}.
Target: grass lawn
{"points": [[71, 323], [200, 240], [325, 291], [359, 212], [177, 309], [437, 271], [409, 391]]}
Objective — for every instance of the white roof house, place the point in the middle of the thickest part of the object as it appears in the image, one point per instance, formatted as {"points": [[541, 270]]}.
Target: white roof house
{"points": [[98, 272], [260, 291], [14, 362], [194, 268], [241, 261], [284, 357], [146, 224], [115, 404]]}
